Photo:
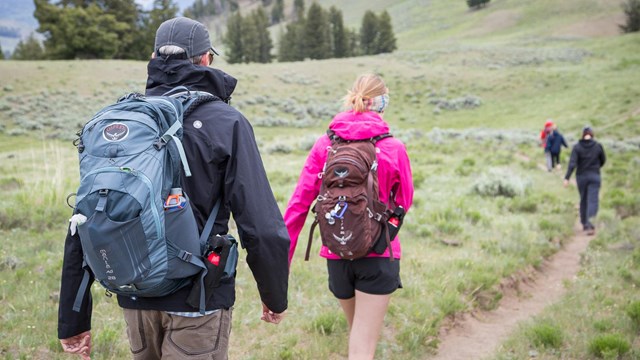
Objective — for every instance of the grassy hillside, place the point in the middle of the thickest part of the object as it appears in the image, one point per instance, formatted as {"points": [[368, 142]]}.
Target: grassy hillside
{"points": [[421, 24], [469, 92]]}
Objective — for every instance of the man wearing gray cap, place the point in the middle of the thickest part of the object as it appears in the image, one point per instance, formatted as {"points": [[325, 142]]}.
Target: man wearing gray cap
{"points": [[225, 164]]}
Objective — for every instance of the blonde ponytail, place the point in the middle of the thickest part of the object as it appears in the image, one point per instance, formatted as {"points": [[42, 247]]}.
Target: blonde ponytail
{"points": [[366, 87]]}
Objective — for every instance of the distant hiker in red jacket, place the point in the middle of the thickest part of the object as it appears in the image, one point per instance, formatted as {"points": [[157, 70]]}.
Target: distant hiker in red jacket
{"points": [[544, 134]]}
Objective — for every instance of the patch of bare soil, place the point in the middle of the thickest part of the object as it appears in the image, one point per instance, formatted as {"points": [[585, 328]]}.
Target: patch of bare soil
{"points": [[599, 27], [496, 21], [478, 334]]}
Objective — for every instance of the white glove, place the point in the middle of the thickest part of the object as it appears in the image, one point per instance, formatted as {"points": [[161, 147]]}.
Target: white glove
{"points": [[75, 221]]}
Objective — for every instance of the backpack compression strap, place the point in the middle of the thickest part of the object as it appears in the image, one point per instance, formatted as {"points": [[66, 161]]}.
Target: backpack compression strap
{"points": [[190, 101], [313, 227], [206, 231]]}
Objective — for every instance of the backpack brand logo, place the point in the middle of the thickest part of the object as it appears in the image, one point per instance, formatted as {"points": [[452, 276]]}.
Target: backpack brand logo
{"points": [[115, 132], [343, 239], [341, 172]]}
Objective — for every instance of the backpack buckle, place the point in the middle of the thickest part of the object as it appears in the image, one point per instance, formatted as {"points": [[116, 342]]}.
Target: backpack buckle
{"points": [[158, 145], [377, 216], [185, 255]]}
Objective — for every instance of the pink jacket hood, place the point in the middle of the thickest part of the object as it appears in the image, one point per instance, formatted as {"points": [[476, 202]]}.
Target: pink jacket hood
{"points": [[394, 174], [351, 125]]}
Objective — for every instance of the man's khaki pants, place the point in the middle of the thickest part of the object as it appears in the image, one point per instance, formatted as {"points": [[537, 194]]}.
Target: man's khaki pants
{"points": [[155, 335]]}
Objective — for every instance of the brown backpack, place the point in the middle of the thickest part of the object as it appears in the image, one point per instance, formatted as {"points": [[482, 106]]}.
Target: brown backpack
{"points": [[348, 210]]}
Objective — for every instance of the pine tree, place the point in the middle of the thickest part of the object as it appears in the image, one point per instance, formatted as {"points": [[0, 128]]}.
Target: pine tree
{"points": [[250, 38], [339, 39], [100, 28], [161, 11], [30, 49], [369, 33], [277, 12], [195, 10], [1, 53], [233, 5], [477, 3], [632, 11], [317, 33], [353, 43], [261, 22], [298, 10], [77, 32], [201, 9], [127, 30], [67, 24], [385, 40], [289, 47], [233, 39]]}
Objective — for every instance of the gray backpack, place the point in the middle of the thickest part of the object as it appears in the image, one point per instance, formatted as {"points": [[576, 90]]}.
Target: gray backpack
{"points": [[140, 237]]}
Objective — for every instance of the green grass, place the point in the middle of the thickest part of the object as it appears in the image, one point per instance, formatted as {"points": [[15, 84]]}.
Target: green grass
{"points": [[523, 72], [546, 335]]}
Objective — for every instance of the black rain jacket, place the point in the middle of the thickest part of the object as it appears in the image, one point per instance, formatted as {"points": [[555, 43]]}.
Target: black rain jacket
{"points": [[587, 157], [225, 163]]}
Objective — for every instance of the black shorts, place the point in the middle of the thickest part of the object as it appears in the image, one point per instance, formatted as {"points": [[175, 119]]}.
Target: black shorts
{"points": [[377, 276]]}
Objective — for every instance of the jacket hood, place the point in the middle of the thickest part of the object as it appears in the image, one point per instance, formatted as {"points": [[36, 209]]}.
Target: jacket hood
{"points": [[165, 73], [351, 125], [587, 143]]}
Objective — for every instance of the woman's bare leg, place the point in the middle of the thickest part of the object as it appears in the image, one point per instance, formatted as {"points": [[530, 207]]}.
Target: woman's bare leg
{"points": [[368, 319]]}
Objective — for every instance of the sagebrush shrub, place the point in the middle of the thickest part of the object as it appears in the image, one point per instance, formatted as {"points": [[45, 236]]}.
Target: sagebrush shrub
{"points": [[546, 335], [632, 11], [633, 310], [500, 182], [609, 344]]}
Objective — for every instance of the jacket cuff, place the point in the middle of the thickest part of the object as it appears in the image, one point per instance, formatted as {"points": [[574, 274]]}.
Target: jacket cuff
{"points": [[279, 308], [66, 331]]}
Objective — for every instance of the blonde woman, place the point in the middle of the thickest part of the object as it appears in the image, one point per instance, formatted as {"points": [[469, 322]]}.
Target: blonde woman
{"points": [[363, 287]]}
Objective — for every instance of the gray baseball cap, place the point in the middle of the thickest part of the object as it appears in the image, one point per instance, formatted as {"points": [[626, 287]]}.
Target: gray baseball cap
{"points": [[188, 34]]}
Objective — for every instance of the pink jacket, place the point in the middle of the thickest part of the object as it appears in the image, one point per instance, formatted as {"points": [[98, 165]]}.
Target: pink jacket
{"points": [[394, 174]]}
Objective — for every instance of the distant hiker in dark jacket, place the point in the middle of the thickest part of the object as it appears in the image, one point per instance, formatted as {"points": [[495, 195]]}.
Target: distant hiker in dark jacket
{"points": [[225, 164], [555, 142], [587, 157]]}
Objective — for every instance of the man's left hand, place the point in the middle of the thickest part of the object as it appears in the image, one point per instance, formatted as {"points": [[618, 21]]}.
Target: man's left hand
{"points": [[270, 316]]}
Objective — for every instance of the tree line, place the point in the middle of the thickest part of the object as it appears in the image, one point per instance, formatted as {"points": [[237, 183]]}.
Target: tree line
{"points": [[318, 34], [207, 8], [94, 29], [121, 29]]}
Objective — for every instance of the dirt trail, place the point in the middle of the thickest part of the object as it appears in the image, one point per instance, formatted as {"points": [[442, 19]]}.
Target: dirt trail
{"points": [[478, 335]]}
